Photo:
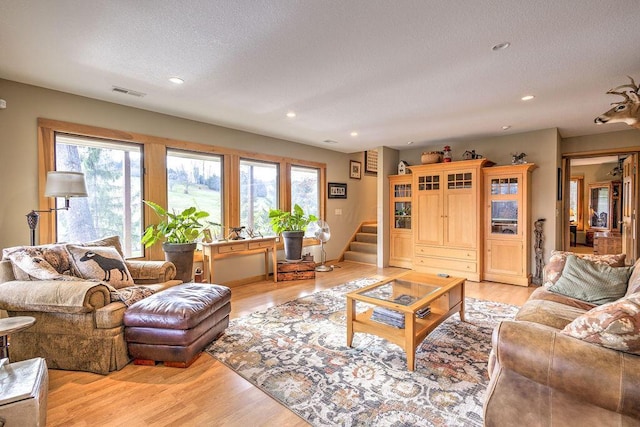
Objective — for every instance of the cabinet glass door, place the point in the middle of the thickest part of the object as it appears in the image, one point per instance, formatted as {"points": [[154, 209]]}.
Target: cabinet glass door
{"points": [[504, 216], [403, 215], [503, 186]]}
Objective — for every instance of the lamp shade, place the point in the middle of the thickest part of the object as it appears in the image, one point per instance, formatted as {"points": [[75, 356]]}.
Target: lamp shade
{"points": [[65, 184]]}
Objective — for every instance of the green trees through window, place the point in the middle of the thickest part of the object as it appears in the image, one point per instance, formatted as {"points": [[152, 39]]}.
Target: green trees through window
{"points": [[258, 194], [113, 174]]}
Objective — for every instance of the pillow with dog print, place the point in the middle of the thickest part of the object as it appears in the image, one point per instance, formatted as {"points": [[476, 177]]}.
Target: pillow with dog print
{"points": [[102, 263]]}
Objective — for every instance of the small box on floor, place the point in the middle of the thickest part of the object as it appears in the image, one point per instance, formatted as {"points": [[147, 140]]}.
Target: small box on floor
{"points": [[296, 270]]}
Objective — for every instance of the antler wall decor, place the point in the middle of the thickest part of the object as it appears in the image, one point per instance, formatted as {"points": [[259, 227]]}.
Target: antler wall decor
{"points": [[627, 111]]}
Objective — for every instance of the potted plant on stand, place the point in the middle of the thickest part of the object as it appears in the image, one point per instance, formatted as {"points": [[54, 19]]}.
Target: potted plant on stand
{"points": [[292, 226], [178, 232]]}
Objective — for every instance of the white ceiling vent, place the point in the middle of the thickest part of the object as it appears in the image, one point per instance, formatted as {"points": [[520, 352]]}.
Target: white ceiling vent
{"points": [[127, 91]]}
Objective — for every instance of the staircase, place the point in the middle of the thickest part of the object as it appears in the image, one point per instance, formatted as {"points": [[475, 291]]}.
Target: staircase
{"points": [[363, 248]]}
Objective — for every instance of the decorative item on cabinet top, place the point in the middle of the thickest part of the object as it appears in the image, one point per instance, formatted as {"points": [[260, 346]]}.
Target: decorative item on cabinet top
{"points": [[402, 168], [471, 155], [429, 157]]}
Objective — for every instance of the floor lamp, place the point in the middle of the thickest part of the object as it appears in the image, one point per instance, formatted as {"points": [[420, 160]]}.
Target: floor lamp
{"points": [[59, 184]]}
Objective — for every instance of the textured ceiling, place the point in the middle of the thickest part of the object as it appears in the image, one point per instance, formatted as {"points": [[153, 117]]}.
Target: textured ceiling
{"points": [[394, 71]]}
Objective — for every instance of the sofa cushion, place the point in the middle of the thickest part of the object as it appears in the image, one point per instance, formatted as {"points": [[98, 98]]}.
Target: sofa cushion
{"points": [[634, 280], [615, 325], [543, 293], [106, 241], [100, 263], [44, 262], [553, 269], [548, 313], [592, 282]]}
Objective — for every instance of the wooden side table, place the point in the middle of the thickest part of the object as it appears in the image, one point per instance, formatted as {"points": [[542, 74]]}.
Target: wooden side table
{"points": [[9, 325]]}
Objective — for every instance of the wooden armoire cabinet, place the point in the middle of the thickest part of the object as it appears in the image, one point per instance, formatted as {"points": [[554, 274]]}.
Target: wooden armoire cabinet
{"points": [[447, 218], [401, 232], [507, 228]]}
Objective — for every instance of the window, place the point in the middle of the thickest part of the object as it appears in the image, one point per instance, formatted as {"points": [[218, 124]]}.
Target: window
{"points": [[113, 174], [576, 202], [258, 193], [236, 187], [305, 185], [195, 179]]}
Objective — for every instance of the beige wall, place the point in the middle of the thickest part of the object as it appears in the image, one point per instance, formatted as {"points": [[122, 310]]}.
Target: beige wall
{"points": [[625, 138], [18, 170]]}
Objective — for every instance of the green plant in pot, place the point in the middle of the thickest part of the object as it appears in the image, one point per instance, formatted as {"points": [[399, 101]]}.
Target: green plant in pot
{"points": [[178, 233], [292, 226]]}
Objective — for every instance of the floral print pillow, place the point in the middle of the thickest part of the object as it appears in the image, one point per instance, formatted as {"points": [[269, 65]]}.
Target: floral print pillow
{"points": [[615, 325], [553, 269]]}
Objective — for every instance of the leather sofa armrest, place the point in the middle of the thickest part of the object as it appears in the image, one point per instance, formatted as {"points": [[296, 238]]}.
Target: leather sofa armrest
{"points": [[53, 296], [607, 378], [151, 272]]}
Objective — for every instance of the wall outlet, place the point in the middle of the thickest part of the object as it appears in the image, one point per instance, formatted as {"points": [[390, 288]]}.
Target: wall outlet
{"points": [[338, 211], [3, 104]]}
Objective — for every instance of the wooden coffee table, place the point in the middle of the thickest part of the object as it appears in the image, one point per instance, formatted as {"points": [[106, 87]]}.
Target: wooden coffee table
{"points": [[406, 295]]}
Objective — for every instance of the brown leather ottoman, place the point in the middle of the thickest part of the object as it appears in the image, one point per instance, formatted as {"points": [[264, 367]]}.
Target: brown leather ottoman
{"points": [[175, 325]]}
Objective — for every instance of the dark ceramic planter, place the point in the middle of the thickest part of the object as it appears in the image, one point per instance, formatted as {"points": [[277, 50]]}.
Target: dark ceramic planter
{"points": [[292, 245], [181, 255]]}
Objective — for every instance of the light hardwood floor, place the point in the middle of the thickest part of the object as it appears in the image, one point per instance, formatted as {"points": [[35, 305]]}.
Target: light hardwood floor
{"points": [[208, 393]]}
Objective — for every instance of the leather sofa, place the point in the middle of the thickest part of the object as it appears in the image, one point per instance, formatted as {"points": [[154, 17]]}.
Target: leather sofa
{"points": [[78, 327], [542, 377]]}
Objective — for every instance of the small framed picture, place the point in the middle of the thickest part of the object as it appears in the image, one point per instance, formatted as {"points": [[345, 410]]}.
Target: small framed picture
{"points": [[371, 161], [206, 236], [337, 190], [355, 170]]}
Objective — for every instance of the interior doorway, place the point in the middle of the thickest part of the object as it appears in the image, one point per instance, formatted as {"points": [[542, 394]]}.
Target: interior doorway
{"points": [[601, 202]]}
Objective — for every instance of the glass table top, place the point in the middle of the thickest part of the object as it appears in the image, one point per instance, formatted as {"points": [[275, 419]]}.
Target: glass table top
{"points": [[403, 292]]}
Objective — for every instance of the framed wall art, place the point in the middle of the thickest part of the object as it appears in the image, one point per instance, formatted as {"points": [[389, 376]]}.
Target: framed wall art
{"points": [[371, 161], [355, 169], [337, 190]]}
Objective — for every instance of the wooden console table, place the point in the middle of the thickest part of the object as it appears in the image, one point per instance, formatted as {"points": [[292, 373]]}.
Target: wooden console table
{"points": [[232, 248]]}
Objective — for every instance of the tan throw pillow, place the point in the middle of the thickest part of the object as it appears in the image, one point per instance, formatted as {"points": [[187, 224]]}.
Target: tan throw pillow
{"points": [[592, 282], [43, 257], [615, 325], [106, 241], [100, 263], [31, 265], [553, 269]]}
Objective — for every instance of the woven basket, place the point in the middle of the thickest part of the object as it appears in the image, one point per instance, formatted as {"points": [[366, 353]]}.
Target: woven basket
{"points": [[431, 157]]}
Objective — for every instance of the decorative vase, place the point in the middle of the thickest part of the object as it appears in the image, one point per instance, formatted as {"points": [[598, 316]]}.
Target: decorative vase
{"points": [[181, 255], [292, 245]]}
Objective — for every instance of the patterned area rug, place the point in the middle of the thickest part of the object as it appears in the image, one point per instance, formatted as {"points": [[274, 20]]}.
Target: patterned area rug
{"points": [[296, 352]]}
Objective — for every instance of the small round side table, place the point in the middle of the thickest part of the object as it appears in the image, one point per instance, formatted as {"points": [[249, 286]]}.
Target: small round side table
{"points": [[9, 325]]}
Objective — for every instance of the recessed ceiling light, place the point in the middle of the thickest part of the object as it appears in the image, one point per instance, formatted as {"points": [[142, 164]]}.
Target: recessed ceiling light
{"points": [[291, 114], [176, 80], [354, 133], [527, 97], [506, 127], [501, 46], [330, 141], [410, 142]]}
